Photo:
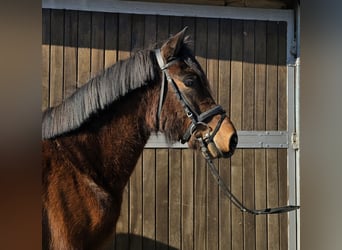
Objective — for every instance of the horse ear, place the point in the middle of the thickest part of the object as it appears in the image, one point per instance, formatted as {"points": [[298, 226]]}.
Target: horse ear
{"points": [[172, 46]]}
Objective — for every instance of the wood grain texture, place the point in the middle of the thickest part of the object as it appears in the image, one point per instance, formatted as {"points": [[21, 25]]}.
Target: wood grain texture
{"points": [[260, 125], [224, 93], [97, 43], [162, 197], [236, 117], [84, 45], [248, 105], [136, 205], [149, 198], [212, 187], [272, 124], [70, 53], [188, 199], [283, 198], [175, 195], [110, 36], [56, 57], [200, 237]]}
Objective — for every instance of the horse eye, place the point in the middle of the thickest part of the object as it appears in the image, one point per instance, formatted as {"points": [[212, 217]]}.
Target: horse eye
{"points": [[188, 82]]}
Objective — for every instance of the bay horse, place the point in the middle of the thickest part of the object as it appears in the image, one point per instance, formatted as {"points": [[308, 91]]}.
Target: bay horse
{"points": [[93, 139]]}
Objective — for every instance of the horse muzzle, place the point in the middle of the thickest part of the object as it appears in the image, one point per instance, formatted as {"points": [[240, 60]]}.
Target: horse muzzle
{"points": [[214, 151]]}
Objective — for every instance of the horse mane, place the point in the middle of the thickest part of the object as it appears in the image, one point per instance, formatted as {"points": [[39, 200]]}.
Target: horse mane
{"points": [[99, 92]]}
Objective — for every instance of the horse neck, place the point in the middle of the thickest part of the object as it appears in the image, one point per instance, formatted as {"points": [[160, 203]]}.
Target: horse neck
{"points": [[110, 145]]}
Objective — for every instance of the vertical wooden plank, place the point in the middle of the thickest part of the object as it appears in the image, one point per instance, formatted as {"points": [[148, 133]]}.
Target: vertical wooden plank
{"points": [[124, 47], [212, 187], [260, 124], [225, 47], [162, 28], [138, 30], [272, 197], [135, 206], [187, 199], [97, 43], [236, 73], [236, 116], [260, 199], [176, 231], [162, 198], [175, 199], [111, 34], [248, 197], [84, 45], [283, 198], [224, 101], [212, 55], [272, 124], [150, 31], [136, 185], [149, 174], [162, 226], [260, 75], [46, 24], [282, 125], [248, 124], [70, 52], [248, 76], [272, 80], [149, 201], [282, 77], [56, 57], [188, 166], [200, 236]]}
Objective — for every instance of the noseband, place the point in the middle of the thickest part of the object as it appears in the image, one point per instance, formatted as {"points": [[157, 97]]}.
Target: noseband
{"points": [[207, 140]]}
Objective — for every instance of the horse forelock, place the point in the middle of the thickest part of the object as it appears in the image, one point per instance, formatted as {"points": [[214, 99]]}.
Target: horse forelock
{"points": [[99, 92]]}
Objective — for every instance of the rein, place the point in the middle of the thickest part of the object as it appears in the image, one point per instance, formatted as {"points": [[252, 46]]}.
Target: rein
{"points": [[199, 119], [230, 195]]}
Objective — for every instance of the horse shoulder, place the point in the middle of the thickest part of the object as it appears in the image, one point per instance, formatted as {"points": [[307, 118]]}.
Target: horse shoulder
{"points": [[77, 208]]}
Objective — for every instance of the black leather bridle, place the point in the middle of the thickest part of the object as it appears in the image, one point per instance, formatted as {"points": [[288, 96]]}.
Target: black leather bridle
{"points": [[207, 141], [196, 119]]}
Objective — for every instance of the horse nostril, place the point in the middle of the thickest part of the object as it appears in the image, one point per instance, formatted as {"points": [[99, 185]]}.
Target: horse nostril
{"points": [[233, 141]]}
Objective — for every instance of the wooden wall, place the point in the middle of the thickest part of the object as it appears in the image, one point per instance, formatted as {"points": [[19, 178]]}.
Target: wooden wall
{"points": [[171, 201]]}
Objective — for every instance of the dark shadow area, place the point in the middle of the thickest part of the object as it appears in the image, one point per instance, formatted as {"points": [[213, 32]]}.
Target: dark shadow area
{"points": [[136, 242], [262, 42]]}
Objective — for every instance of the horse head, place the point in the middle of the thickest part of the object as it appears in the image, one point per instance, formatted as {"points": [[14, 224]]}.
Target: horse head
{"points": [[187, 111]]}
